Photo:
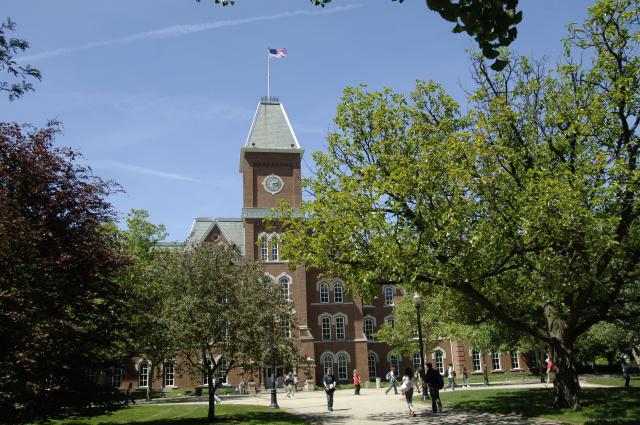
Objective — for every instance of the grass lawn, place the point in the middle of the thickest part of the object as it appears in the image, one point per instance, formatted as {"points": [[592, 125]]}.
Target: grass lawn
{"points": [[599, 405], [187, 414], [614, 381]]}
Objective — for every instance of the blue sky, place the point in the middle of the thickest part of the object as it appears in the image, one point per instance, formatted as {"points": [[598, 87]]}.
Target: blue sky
{"points": [[158, 95]]}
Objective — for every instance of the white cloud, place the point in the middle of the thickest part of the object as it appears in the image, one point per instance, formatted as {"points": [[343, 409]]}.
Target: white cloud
{"points": [[180, 30], [141, 170]]}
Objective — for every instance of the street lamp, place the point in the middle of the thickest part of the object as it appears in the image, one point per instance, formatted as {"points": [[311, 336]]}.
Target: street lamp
{"points": [[274, 398], [417, 301]]}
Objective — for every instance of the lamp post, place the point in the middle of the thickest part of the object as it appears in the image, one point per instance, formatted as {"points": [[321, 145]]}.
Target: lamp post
{"points": [[417, 301], [274, 397]]}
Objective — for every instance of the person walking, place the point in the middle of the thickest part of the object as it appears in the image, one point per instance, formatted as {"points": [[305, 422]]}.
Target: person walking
{"points": [[626, 373], [451, 376], [435, 382], [356, 382], [550, 371], [288, 381], [407, 389], [329, 382], [465, 377], [393, 381]]}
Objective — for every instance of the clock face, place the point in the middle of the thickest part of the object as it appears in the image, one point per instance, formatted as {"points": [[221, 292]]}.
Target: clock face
{"points": [[273, 184]]}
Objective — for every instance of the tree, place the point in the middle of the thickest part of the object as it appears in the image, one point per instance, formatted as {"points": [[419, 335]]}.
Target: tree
{"points": [[219, 313], [147, 335], [491, 22], [527, 205], [60, 308], [8, 48]]}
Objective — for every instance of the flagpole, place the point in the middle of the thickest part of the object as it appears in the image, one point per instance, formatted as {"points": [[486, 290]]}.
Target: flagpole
{"points": [[268, 76]]}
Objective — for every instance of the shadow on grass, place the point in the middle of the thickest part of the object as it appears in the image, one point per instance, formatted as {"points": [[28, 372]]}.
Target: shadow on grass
{"points": [[270, 417], [600, 406]]}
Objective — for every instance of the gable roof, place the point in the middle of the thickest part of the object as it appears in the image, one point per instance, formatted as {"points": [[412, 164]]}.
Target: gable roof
{"points": [[231, 228], [270, 130]]}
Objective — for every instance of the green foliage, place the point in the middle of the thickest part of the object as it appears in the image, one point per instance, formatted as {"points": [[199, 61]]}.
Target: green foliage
{"points": [[526, 206], [8, 48]]}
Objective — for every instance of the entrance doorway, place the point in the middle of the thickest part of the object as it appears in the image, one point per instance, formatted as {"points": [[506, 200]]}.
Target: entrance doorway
{"points": [[269, 377]]}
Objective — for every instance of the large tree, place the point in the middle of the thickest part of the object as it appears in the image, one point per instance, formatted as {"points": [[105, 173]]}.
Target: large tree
{"points": [[220, 312], [492, 23], [60, 308], [526, 205]]}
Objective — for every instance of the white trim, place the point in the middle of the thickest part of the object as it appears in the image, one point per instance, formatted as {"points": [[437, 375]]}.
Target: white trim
{"points": [[345, 353], [393, 352], [442, 350], [368, 316], [389, 317], [286, 118], [330, 354], [371, 352], [344, 316], [384, 295]]}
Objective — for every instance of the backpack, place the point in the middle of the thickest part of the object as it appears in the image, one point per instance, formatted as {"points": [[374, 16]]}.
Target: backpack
{"points": [[440, 382]]}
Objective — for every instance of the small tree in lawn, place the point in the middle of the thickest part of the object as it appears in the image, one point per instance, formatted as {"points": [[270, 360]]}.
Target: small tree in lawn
{"points": [[219, 313]]}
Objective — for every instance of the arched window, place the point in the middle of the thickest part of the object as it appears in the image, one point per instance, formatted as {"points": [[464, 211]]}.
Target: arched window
{"points": [[373, 366], [264, 248], [394, 359], [389, 320], [337, 293], [326, 328], [266, 281], [368, 328], [324, 293], [388, 295], [143, 374], [416, 361], [339, 327], [342, 367], [439, 361], [284, 281], [274, 249], [167, 376], [327, 363], [477, 363], [116, 377]]}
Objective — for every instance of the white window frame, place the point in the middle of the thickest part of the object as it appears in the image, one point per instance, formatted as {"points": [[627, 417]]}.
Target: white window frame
{"points": [[342, 367], [285, 284], [439, 360], [515, 360], [325, 325], [264, 248], [275, 249], [340, 328], [116, 377], [495, 358], [372, 363], [475, 355], [327, 363], [370, 336], [143, 374], [338, 293], [415, 359], [222, 371], [394, 360], [389, 295], [324, 293], [168, 374]]}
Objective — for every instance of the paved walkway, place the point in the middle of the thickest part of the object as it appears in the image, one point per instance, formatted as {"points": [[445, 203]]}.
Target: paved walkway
{"points": [[374, 407]]}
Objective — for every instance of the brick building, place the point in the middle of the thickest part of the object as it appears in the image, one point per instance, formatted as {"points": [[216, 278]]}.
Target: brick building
{"points": [[333, 328]]}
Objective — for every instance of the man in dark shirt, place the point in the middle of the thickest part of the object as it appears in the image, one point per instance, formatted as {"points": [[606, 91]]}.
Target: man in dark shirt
{"points": [[329, 382], [433, 378]]}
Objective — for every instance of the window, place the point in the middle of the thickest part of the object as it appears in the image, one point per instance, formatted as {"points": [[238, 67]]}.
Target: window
{"points": [[416, 361], [342, 367], [167, 376], [266, 281], [286, 328], [92, 378], [205, 377], [116, 377], [366, 302], [388, 295], [264, 248], [326, 328], [339, 328], [477, 364], [532, 362], [284, 281], [274, 249], [327, 363], [389, 320], [439, 361], [495, 360], [394, 359], [143, 375], [337, 293], [515, 360], [368, 329], [373, 363], [324, 293], [222, 370]]}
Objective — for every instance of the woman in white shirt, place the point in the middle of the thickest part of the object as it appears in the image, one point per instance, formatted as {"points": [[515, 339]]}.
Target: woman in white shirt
{"points": [[407, 389]]}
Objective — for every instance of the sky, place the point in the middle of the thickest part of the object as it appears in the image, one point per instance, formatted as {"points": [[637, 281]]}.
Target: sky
{"points": [[159, 95]]}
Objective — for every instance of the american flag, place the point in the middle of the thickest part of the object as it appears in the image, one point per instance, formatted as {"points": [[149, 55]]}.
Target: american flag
{"points": [[278, 53]]}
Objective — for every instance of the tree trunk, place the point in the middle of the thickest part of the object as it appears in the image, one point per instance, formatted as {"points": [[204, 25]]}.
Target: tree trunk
{"points": [[565, 382], [212, 392], [636, 356], [540, 362]]}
